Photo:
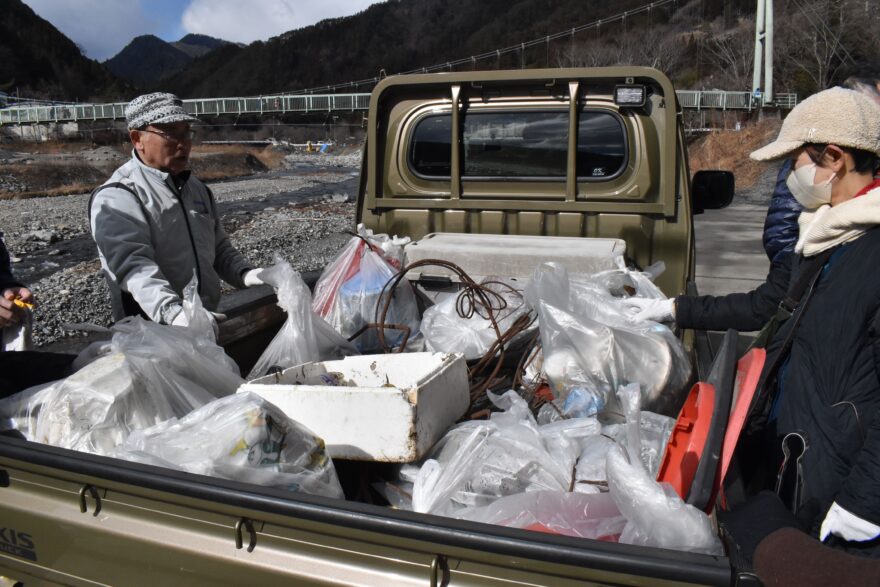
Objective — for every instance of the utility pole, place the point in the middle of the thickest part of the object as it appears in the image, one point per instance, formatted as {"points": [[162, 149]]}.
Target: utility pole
{"points": [[763, 94]]}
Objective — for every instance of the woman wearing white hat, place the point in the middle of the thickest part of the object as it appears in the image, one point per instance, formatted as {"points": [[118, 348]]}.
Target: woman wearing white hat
{"points": [[816, 417]]}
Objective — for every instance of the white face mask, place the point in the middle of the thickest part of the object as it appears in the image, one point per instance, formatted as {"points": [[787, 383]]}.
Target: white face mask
{"points": [[809, 195]]}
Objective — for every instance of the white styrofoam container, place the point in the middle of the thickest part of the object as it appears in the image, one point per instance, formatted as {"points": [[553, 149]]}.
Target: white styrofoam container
{"points": [[389, 408], [506, 255]]}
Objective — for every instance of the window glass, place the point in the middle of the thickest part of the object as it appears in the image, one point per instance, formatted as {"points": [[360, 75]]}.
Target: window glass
{"points": [[527, 144], [601, 145], [515, 144]]}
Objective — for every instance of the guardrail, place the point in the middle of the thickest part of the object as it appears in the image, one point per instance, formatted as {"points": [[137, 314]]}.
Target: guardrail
{"points": [[311, 103], [720, 100], [280, 104]]}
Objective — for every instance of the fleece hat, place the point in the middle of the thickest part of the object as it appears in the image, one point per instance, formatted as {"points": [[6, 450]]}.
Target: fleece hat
{"points": [[838, 116], [156, 108]]}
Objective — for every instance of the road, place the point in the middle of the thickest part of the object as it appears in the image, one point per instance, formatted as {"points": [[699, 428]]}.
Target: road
{"points": [[730, 255]]}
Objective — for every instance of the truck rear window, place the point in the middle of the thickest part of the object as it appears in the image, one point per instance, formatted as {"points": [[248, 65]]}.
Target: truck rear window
{"points": [[521, 144]]}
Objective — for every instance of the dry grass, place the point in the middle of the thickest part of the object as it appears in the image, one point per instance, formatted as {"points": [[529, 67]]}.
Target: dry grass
{"points": [[43, 178], [67, 190], [730, 150]]}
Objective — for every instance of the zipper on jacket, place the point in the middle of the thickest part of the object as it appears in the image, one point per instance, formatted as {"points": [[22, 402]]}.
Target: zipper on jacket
{"points": [[179, 193]]}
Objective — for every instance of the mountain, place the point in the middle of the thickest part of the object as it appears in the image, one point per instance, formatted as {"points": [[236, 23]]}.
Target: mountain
{"points": [[197, 45], [148, 59], [399, 35], [38, 61]]}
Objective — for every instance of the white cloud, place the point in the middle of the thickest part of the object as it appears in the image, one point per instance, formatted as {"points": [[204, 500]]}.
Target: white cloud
{"points": [[101, 27], [247, 21]]}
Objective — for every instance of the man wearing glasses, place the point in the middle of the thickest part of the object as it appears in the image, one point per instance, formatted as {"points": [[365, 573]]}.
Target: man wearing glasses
{"points": [[156, 225]]}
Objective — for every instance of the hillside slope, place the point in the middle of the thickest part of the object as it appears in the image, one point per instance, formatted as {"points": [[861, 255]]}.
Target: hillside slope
{"points": [[400, 35], [37, 60]]}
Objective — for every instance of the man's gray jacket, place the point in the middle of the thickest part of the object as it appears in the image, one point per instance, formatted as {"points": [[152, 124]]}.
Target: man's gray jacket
{"points": [[152, 236]]}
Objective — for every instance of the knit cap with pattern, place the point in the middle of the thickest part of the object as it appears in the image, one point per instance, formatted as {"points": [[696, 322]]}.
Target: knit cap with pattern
{"points": [[156, 108]]}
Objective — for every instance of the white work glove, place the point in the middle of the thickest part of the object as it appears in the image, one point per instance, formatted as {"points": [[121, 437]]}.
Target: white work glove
{"points": [[253, 277], [644, 309], [848, 526], [214, 318]]}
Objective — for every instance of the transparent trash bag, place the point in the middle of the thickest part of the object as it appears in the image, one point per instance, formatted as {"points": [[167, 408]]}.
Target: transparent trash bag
{"points": [[591, 345], [656, 515], [642, 433], [152, 373], [448, 332], [304, 337], [349, 292], [198, 319], [241, 437], [557, 512], [477, 462]]}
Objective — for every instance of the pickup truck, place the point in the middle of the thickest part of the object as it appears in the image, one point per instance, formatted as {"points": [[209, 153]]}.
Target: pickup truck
{"points": [[553, 152]]}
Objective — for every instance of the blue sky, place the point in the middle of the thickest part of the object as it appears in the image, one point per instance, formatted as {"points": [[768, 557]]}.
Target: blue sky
{"points": [[103, 27]]}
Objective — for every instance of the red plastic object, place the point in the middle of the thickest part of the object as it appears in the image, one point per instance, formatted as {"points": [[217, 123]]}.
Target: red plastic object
{"points": [[544, 392], [539, 527], [688, 439], [748, 373]]}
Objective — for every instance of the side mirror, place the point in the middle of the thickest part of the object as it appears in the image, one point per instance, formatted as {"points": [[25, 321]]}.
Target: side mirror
{"points": [[712, 190]]}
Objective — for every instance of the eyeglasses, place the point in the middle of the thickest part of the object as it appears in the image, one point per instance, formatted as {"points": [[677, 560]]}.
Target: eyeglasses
{"points": [[177, 137]]}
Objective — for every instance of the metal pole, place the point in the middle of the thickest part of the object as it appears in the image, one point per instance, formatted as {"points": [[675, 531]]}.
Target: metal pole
{"points": [[759, 43], [768, 53]]}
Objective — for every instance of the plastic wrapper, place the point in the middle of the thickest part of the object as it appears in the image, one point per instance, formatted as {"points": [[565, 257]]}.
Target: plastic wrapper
{"points": [[243, 438], [477, 462], [349, 292], [656, 515], [556, 512], [447, 332], [591, 346], [153, 373], [304, 337]]}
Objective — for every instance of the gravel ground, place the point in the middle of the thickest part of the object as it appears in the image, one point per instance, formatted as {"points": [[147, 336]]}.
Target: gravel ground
{"points": [[300, 212], [760, 192]]}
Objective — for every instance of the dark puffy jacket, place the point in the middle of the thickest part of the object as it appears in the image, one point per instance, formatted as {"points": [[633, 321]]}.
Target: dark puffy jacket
{"points": [[781, 225], [830, 385], [742, 311]]}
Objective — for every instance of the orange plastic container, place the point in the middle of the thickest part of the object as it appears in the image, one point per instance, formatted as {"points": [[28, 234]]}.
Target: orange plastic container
{"points": [[748, 373], [688, 439]]}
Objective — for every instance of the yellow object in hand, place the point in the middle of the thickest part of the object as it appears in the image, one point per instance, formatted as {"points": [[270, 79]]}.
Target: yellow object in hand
{"points": [[22, 304]]}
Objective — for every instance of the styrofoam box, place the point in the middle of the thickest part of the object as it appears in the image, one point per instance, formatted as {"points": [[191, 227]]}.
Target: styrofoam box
{"points": [[389, 408], [504, 255]]}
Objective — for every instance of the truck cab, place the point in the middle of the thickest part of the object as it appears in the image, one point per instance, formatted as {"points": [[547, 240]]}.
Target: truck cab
{"points": [[589, 153]]}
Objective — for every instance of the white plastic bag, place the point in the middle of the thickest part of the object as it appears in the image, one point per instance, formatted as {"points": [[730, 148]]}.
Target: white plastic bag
{"points": [[153, 373], [591, 346], [304, 337], [477, 462], [448, 332], [243, 438], [349, 292], [656, 515]]}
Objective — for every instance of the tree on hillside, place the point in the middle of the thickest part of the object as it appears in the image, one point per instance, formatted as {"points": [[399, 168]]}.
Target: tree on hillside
{"points": [[824, 41], [655, 47], [731, 54]]}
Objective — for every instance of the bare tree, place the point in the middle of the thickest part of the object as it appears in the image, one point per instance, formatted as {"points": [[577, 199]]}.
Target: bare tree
{"points": [[731, 54], [657, 47], [824, 40]]}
